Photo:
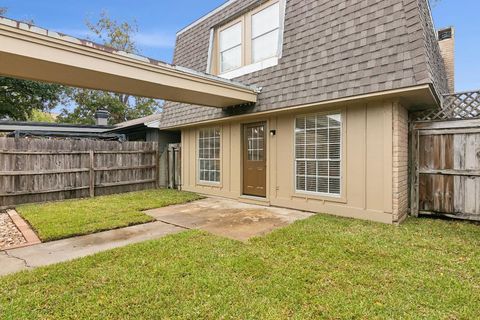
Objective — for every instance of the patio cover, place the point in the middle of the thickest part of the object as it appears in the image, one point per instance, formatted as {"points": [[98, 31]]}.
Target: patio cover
{"points": [[29, 52]]}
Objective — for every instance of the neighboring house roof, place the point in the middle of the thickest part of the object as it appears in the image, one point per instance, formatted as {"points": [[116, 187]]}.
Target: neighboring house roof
{"points": [[9, 126], [331, 50], [151, 121], [68, 135]]}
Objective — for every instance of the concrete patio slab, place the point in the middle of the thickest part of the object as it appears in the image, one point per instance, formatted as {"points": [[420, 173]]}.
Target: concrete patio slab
{"points": [[43, 254], [228, 218], [223, 217]]}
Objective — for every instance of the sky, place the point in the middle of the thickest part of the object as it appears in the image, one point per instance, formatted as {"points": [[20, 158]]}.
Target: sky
{"points": [[159, 20]]}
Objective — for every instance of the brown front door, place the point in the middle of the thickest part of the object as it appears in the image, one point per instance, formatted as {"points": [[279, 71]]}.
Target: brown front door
{"points": [[254, 160]]}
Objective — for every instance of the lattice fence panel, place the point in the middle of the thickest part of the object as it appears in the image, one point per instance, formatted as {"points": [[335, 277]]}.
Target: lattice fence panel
{"points": [[464, 105]]}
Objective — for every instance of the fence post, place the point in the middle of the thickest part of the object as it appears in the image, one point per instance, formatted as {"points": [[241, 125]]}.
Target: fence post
{"points": [[414, 176], [171, 167], [178, 167], [157, 166], [92, 173]]}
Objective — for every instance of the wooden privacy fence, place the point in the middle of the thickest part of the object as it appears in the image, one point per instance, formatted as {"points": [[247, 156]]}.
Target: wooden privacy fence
{"points": [[446, 168], [38, 170]]}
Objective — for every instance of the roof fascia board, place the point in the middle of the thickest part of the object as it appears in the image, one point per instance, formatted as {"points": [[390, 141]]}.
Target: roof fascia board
{"points": [[153, 124], [22, 127], [206, 16], [389, 94]]}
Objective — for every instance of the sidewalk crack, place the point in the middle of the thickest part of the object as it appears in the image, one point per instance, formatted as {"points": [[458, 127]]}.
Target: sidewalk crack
{"points": [[175, 225], [18, 258]]}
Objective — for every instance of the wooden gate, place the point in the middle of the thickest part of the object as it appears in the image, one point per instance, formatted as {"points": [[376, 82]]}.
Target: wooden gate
{"points": [[446, 168]]}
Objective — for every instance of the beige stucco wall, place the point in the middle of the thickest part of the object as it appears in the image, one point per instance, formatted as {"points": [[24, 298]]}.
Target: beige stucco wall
{"points": [[368, 179]]}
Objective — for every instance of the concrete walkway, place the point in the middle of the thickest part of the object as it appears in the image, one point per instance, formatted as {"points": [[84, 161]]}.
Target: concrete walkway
{"points": [[43, 254], [223, 217]]}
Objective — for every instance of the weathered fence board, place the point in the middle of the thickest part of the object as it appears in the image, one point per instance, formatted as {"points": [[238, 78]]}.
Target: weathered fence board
{"points": [[38, 170], [447, 164]]}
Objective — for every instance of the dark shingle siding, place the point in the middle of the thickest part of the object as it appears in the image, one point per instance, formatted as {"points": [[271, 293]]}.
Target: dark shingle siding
{"points": [[435, 67], [332, 49]]}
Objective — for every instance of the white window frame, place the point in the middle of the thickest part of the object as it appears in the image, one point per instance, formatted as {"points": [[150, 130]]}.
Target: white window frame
{"points": [[253, 38], [214, 65], [241, 45], [341, 157], [199, 159]]}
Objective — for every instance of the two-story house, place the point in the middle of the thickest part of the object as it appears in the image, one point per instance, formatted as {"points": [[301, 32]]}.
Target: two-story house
{"points": [[329, 132]]}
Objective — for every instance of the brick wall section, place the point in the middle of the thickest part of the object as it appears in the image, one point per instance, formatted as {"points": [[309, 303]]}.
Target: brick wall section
{"points": [[332, 49], [430, 60], [447, 48], [400, 163]]}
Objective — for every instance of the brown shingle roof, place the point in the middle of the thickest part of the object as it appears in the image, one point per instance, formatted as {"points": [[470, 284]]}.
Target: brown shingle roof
{"points": [[139, 121], [332, 49]]}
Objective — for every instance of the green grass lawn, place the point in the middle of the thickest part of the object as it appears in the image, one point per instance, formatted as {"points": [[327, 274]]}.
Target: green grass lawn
{"points": [[321, 268], [58, 220]]}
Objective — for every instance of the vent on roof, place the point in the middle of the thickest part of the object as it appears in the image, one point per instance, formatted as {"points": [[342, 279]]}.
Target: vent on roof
{"points": [[445, 34]]}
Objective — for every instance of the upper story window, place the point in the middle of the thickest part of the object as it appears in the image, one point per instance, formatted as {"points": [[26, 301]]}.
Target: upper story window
{"points": [[231, 48], [265, 33], [249, 43]]}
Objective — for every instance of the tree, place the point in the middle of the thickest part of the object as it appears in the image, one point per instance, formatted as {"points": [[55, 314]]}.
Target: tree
{"points": [[114, 34], [19, 98], [122, 107], [89, 101], [42, 116]]}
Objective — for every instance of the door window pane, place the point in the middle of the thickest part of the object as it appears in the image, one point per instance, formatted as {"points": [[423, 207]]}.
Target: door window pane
{"points": [[255, 141]]}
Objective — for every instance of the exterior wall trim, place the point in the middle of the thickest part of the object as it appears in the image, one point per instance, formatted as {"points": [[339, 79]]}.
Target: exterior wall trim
{"points": [[250, 68], [210, 51], [389, 94]]}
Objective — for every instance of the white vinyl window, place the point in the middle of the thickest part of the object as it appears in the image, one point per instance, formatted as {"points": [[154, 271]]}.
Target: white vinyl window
{"points": [[251, 42], [265, 33], [231, 48], [209, 155], [318, 145]]}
